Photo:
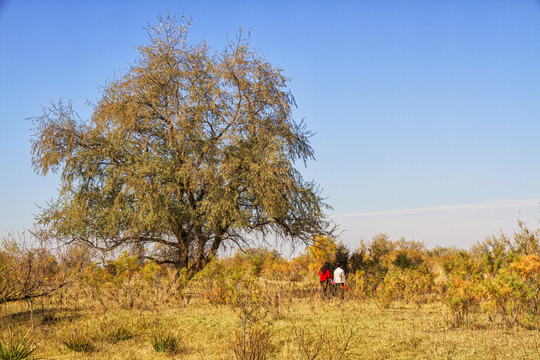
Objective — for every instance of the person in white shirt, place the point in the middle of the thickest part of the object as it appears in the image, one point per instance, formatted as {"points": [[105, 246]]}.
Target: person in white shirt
{"points": [[339, 280]]}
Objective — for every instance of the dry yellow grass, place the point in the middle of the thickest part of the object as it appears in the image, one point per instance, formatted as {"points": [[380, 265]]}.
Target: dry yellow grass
{"points": [[331, 329]]}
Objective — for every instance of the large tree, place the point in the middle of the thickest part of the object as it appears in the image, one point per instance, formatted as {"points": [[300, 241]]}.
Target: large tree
{"points": [[190, 150]]}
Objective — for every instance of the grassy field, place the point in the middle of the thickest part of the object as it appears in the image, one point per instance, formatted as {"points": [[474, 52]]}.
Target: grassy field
{"points": [[310, 328], [404, 302]]}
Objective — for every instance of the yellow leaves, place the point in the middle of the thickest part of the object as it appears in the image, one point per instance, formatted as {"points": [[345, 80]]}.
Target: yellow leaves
{"points": [[503, 288], [322, 249], [528, 265], [151, 270]]}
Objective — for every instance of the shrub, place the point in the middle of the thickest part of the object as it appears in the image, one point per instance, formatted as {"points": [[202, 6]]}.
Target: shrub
{"points": [[463, 291], [308, 344], [252, 339], [513, 293], [252, 343], [409, 285]]}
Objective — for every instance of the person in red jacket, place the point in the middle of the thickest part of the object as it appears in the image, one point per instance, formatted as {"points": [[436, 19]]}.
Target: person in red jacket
{"points": [[325, 276]]}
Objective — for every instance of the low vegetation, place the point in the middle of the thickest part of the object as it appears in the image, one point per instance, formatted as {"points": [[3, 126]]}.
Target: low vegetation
{"points": [[404, 302], [16, 346]]}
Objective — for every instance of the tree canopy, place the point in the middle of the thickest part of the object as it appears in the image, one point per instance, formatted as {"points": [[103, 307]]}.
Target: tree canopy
{"points": [[188, 151]]}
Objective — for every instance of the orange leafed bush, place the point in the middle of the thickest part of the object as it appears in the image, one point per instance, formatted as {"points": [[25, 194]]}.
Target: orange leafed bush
{"points": [[528, 266]]}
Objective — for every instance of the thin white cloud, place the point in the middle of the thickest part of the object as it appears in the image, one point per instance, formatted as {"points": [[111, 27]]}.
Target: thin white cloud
{"points": [[500, 204], [454, 225]]}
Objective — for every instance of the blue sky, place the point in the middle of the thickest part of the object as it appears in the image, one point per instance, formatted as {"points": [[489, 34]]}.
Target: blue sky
{"points": [[426, 112]]}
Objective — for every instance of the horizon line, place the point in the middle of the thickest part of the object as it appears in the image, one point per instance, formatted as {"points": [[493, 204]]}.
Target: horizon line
{"points": [[526, 203]]}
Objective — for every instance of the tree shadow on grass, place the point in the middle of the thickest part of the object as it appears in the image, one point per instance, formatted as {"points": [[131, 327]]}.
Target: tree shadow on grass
{"points": [[42, 316]]}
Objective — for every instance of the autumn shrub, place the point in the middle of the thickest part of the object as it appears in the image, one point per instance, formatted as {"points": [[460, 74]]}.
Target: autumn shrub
{"points": [[125, 282], [252, 343], [359, 287], [462, 289], [218, 280], [408, 285], [262, 259], [528, 268], [408, 277], [371, 264], [510, 277], [321, 250], [500, 302], [308, 342], [367, 282], [357, 260], [498, 278], [314, 342], [279, 269], [526, 241], [299, 269], [493, 253], [29, 269], [253, 335], [513, 293]]}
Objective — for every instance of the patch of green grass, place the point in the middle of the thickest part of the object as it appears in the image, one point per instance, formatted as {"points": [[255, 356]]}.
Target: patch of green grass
{"points": [[167, 342], [16, 347], [78, 342], [120, 333]]}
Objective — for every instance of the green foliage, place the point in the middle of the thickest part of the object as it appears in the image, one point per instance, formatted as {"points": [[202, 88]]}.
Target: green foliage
{"points": [[124, 267], [357, 260], [493, 253], [463, 287], [16, 346], [513, 293], [408, 285], [342, 255], [257, 259], [218, 281], [380, 247], [526, 241]]}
